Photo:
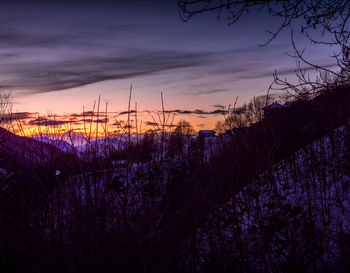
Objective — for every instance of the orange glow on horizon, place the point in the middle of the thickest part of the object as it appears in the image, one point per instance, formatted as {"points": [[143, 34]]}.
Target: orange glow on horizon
{"points": [[94, 127]]}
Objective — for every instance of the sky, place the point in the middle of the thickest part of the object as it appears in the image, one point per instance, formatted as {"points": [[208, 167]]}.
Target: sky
{"points": [[58, 57]]}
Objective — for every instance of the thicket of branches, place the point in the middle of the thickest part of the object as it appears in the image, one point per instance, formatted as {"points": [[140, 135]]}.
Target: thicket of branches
{"points": [[5, 105], [271, 197], [322, 22], [245, 115], [171, 203]]}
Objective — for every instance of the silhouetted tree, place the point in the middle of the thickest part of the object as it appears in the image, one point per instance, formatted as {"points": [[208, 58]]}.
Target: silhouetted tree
{"points": [[5, 104], [184, 127], [331, 16], [307, 17], [245, 115]]}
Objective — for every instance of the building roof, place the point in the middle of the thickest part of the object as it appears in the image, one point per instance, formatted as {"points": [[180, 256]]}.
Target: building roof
{"points": [[274, 105], [207, 132]]}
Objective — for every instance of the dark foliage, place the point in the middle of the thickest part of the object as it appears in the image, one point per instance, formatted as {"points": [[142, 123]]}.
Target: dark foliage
{"points": [[174, 203]]}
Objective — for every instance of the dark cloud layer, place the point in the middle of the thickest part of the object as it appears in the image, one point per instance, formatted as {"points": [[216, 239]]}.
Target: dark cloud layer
{"points": [[50, 50], [126, 112], [197, 112], [48, 46], [11, 38], [17, 116], [85, 114], [212, 91], [47, 122], [220, 106], [104, 120], [151, 123], [65, 74], [47, 49]]}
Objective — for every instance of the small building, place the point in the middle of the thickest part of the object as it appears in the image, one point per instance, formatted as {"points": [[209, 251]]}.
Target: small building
{"points": [[206, 133], [271, 107]]}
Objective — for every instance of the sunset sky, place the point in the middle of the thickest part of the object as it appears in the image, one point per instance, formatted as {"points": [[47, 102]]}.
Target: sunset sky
{"points": [[58, 57]]}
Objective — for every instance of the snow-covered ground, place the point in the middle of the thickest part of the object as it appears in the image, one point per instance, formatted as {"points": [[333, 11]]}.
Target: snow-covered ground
{"points": [[294, 217]]}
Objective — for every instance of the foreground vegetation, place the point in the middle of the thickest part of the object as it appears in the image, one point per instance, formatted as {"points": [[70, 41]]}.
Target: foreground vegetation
{"points": [[273, 196]]}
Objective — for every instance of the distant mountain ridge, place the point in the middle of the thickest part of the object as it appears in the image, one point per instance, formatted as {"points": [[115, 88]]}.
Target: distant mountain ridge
{"points": [[22, 154]]}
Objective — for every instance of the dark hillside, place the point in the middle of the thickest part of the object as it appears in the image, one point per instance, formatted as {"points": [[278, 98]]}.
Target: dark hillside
{"points": [[251, 152], [23, 154], [283, 131], [152, 205], [28, 177]]}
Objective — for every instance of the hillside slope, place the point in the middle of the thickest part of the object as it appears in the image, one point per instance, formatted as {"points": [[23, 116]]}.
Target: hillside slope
{"points": [[295, 217], [23, 154]]}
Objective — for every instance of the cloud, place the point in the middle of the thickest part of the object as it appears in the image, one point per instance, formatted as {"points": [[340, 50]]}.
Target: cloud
{"points": [[128, 127], [44, 76], [7, 55], [42, 121], [150, 123], [209, 92], [17, 116], [220, 106], [47, 122], [80, 115], [126, 112], [256, 48], [104, 120], [197, 112], [218, 112], [87, 51], [12, 38]]}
